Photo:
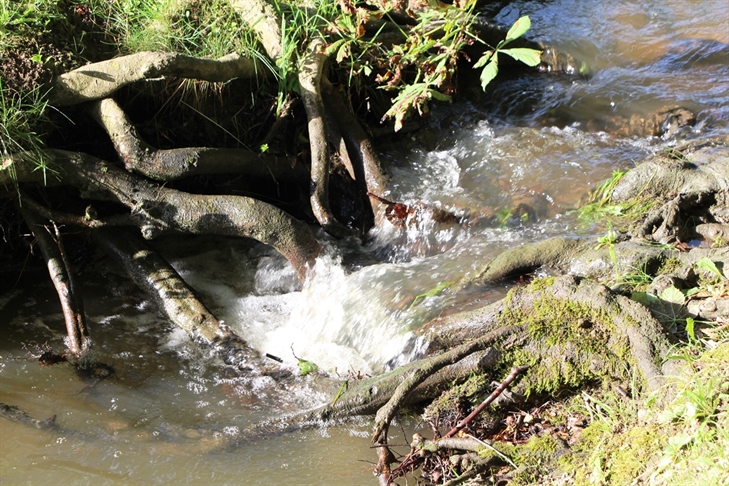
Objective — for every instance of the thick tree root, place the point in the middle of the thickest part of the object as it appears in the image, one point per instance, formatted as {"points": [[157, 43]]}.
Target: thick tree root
{"points": [[426, 368], [99, 80], [172, 164], [260, 16], [693, 168], [310, 75], [157, 209], [175, 299]]}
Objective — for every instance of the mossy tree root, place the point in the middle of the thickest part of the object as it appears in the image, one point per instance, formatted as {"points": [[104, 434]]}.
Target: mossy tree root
{"points": [[172, 164], [99, 80], [523, 259], [426, 368]]}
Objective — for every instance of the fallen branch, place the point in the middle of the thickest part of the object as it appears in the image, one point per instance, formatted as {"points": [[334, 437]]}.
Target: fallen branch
{"points": [[515, 371], [59, 269]]}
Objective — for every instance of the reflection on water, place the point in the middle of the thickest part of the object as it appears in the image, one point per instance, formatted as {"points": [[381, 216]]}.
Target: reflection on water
{"points": [[531, 141]]}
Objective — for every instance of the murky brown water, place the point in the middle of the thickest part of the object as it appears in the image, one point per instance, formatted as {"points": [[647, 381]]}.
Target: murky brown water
{"points": [[158, 420]]}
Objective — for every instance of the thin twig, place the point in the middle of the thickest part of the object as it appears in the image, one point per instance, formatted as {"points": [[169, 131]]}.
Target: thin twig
{"points": [[515, 371]]}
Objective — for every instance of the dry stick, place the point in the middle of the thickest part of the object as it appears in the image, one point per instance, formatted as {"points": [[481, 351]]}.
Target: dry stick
{"points": [[515, 371], [386, 413], [59, 270]]}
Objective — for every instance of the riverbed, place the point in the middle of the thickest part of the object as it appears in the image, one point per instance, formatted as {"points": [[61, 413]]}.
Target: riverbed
{"points": [[534, 140]]}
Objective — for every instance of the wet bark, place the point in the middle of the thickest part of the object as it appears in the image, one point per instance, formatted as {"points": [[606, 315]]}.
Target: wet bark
{"points": [[61, 274], [158, 210], [310, 75], [175, 299]]}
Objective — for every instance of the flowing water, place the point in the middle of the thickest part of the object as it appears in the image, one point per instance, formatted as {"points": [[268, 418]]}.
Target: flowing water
{"points": [[532, 140]]}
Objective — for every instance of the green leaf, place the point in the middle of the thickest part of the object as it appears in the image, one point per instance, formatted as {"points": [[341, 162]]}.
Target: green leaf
{"points": [[432, 292], [438, 95], [644, 298], [341, 391], [530, 57], [489, 72], [673, 295], [306, 367], [518, 29], [706, 264], [484, 59], [690, 329]]}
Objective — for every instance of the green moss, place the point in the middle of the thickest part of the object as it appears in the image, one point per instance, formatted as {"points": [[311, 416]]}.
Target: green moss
{"points": [[668, 266], [535, 459], [570, 343]]}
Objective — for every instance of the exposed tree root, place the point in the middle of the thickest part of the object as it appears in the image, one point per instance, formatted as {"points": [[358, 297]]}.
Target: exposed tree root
{"points": [[426, 368], [260, 16], [366, 166], [310, 74], [158, 210], [693, 168], [524, 259], [175, 299], [172, 164], [62, 277], [99, 80]]}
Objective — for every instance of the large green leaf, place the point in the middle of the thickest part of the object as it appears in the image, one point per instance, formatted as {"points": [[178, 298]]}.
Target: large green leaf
{"points": [[530, 57], [518, 29]]}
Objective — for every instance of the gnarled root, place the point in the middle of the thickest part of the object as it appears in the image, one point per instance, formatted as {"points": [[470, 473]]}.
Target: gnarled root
{"points": [[172, 164], [157, 209]]}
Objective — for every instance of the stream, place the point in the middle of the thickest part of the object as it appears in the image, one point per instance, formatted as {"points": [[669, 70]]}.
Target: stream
{"points": [[531, 140]]}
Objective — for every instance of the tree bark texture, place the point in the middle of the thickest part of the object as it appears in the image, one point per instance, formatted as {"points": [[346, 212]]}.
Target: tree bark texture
{"points": [[172, 164], [99, 80], [62, 278], [157, 209], [175, 299]]}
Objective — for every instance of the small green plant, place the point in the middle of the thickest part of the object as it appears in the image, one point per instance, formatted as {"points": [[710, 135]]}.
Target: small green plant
{"points": [[609, 239], [20, 114], [431, 293], [490, 60], [602, 208]]}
